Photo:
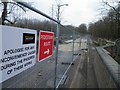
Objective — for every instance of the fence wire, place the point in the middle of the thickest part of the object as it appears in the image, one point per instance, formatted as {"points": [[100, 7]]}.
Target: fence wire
{"points": [[48, 73]]}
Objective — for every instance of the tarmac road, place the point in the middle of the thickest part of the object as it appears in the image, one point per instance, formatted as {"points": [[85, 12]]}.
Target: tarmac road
{"points": [[84, 76], [42, 74]]}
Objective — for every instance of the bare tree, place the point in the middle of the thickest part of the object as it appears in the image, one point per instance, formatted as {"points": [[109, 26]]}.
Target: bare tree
{"points": [[9, 10], [116, 13]]}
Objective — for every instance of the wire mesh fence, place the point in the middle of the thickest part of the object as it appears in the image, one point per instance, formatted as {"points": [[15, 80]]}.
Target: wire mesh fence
{"points": [[52, 72]]}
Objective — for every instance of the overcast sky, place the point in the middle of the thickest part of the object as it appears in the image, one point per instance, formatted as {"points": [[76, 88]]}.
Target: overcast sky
{"points": [[81, 11], [77, 11]]}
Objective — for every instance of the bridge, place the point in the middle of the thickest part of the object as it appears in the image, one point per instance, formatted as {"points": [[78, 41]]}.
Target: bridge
{"points": [[76, 62], [91, 67]]}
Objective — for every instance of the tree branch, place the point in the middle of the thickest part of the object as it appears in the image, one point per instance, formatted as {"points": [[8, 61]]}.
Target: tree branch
{"points": [[111, 7], [18, 5], [9, 21]]}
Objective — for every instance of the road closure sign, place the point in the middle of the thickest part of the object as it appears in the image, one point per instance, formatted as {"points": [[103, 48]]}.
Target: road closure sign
{"points": [[46, 40], [17, 51]]}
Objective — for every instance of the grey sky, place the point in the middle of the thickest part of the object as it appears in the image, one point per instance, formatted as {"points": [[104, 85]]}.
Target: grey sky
{"points": [[77, 11]]}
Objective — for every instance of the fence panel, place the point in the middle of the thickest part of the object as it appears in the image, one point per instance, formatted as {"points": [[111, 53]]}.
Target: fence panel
{"points": [[49, 73]]}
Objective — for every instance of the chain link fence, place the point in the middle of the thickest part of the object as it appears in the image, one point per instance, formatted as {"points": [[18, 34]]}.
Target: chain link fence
{"points": [[54, 71]]}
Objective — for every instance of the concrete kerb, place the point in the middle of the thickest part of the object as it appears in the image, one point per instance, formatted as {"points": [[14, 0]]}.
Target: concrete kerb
{"points": [[111, 65]]}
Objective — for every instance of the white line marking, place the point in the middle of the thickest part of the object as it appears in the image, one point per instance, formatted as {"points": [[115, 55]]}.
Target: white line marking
{"points": [[88, 59], [71, 85]]}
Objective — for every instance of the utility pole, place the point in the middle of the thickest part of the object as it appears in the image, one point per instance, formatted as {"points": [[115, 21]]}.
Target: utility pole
{"points": [[57, 40], [51, 20]]}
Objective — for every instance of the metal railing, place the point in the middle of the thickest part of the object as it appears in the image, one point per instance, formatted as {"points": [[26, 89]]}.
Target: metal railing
{"points": [[111, 65], [74, 36]]}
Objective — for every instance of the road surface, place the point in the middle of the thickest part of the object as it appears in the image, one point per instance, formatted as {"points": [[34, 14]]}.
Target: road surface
{"points": [[85, 76], [42, 74]]}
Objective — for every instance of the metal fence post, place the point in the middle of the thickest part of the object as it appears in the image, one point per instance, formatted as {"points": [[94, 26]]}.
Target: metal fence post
{"points": [[80, 44], [57, 45], [73, 45]]}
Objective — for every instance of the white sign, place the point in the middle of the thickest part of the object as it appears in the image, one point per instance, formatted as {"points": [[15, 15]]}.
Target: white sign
{"points": [[17, 51]]}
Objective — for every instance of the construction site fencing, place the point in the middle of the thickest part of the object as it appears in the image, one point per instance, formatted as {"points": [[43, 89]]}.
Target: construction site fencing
{"points": [[52, 72]]}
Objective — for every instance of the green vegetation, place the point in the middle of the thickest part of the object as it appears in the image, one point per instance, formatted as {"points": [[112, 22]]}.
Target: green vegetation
{"points": [[108, 27], [117, 59], [82, 29], [102, 42]]}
